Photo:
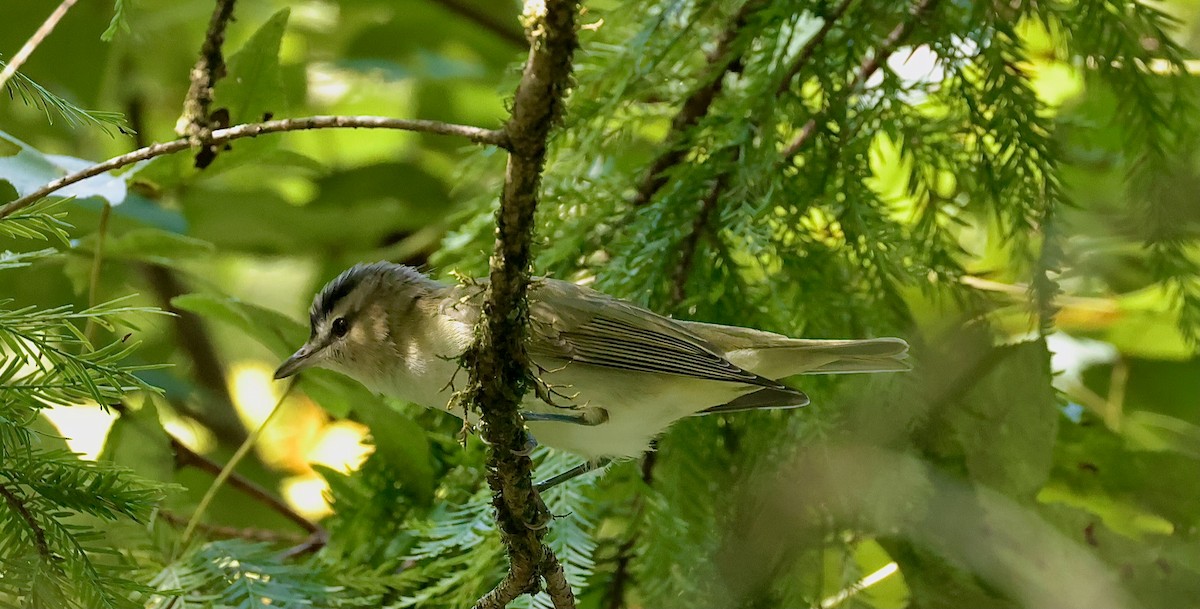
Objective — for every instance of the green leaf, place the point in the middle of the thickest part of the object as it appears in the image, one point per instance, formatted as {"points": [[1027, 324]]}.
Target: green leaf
{"points": [[154, 245], [119, 22], [274, 330], [253, 85], [263, 222], [401, 442], [282, 336], [1007, 423], [138, 441], [29, 170]]}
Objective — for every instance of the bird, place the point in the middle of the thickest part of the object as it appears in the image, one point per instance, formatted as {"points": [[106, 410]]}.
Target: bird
{"points": [[620, 374]]}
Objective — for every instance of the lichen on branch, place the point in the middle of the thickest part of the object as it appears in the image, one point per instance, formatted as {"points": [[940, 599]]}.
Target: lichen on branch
{"points": [[498, 364]]}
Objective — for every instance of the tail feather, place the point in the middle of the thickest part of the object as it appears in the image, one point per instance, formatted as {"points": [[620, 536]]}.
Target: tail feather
{"points": [[775, 356]]}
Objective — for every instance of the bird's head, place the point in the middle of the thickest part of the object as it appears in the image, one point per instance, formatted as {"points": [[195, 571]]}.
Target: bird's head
{"points": [[356, 318]]}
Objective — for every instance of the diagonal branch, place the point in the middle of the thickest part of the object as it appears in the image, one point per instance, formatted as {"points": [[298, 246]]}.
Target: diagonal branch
{"points": [[39, 535], [497, 363], [865, 70], [478, 135], [615, 595], [724, 60], [185, 457], [691, 243], [36, 39]]}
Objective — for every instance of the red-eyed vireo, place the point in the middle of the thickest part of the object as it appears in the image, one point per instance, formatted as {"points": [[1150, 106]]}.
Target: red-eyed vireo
{"points": [[621, 374]]}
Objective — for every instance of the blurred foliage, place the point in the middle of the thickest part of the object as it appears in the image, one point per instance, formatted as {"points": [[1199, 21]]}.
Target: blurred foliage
{"points": [[1013, 192]]}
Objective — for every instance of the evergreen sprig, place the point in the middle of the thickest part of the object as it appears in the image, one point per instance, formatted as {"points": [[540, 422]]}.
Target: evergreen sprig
{"points": [[53, 106]]}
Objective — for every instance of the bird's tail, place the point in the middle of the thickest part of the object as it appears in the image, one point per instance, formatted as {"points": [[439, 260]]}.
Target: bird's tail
{"points": [[776, 356], [807, 356]]}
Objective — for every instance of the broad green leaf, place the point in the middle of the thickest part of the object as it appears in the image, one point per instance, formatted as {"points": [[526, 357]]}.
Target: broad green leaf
{"points": [[138, 441], [274, 330], [1007, 423], [253, 85], [261, 221], [153, 245], [282, 336], [29, 170], [402, 443]]}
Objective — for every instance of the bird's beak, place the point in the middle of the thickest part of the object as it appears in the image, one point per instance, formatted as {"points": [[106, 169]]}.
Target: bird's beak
{"points": [[297, 362]]}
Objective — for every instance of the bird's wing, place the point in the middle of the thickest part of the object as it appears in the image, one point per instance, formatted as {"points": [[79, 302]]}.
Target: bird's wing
{"points": [[576, 324]]}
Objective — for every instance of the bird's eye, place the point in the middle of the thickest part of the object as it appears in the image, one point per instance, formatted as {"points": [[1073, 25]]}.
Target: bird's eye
{"points": [[340, 327]]}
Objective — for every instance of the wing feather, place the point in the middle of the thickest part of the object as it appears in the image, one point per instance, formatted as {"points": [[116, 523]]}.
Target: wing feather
{"points": [[576, 324]]}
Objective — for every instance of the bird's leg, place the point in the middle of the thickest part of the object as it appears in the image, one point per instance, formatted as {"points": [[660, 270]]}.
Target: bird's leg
{"points": [[584, 418], [574, 472]]}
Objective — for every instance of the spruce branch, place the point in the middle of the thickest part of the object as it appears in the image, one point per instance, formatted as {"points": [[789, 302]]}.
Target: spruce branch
{"points": [[39, 535], [497, 363], [36, 39], [479, 135], [810, 48], [726, 59], [700, 225], [866, 69]]}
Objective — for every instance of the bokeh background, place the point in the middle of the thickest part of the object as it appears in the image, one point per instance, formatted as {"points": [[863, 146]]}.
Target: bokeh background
{"points": [[1014, 193]]}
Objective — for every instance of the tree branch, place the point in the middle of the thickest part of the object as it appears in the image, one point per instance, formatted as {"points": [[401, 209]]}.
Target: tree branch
{"points": [[210, 67], [484, 20], [216, 530], [39, 535], [497, 363], [478, 135], [724, 60], [699, 225], [36, 39], [865, 70], [185, 456], [805, 55]]}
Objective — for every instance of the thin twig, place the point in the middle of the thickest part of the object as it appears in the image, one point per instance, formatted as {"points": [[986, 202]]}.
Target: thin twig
{"points": [[497, 363], [484, 20], [227, 470], [216, 530], [806, 54], [724, 60], [478, 135], [36, 39], [209, 68], [39, 535], [97, 262], [187, 456], [690, 243], [865, 70]]}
